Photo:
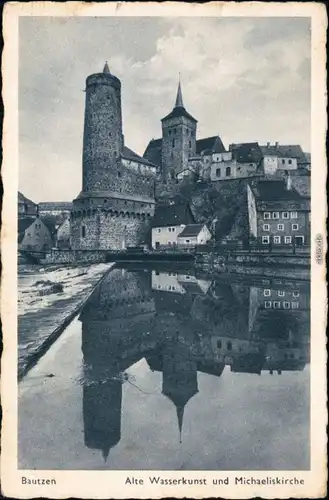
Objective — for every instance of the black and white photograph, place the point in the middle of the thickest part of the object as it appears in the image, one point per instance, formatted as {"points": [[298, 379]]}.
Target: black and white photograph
{"points": [[164, 247]]}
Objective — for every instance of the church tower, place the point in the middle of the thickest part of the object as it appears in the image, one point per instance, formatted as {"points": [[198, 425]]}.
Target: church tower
{"points": [[178, 139], [117, 197]]}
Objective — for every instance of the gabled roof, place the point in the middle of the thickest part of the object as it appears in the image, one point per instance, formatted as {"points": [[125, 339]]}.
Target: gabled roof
{"points": [[293, 151], [212, 144], [23, 199], [248, 152], [191, 230], [153, 152], [23, 224], [275, 191], [173, 215], [129, 154]]}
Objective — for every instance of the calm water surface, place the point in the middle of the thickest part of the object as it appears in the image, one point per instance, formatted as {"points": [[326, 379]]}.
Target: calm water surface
{"points": [[164, 369]]}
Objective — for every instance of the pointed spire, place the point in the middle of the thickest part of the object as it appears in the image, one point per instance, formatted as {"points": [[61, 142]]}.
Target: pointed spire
{"points": [[179, 98], [105, 453], [180, 415], [106, 68]]}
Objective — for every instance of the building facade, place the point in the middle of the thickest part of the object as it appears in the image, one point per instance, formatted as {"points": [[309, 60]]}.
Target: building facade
{"points": [[168, 223], [116, 203], [26, 207], [193, 235], [33, 234], [278, 214]]}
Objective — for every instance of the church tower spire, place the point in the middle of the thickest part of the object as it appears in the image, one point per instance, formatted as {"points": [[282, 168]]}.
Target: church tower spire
{"points": [[179, 97], [106, 68]]}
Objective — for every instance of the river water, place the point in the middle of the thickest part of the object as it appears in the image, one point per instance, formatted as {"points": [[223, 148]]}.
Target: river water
{"points": [[165, 369]]}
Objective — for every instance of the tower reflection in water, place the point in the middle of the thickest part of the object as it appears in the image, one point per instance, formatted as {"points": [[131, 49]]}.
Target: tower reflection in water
{"points": [[183, 325]]}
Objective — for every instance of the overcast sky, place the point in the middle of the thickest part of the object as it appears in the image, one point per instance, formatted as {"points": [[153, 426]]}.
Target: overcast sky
{"points": [[246, 79]]}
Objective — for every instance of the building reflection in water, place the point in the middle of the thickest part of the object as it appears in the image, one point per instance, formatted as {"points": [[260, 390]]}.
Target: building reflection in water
{"points": [[182, 325]]}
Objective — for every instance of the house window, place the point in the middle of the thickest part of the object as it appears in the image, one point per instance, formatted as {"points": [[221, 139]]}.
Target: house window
{"points": [[219, 344], [190, 144], [276, 305], [283, 161], [267, 215], [268, 304], [285, 215], [294, 305], [290, 162], [287, 239], [218, 172], [275, 215], [295, 227], [280, 227], [83, 231], [174, 131], [173, 143], [286, 305], [229, 346], [295, 294], [267, 293], [293, 215], [187, 241], [281, 293], [266, 227], [277, 240], [265, 240], [228, 171], [159, 230]]}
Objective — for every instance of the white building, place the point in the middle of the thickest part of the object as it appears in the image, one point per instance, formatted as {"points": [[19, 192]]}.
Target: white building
{"points": [[168, 223], [193, 234]]}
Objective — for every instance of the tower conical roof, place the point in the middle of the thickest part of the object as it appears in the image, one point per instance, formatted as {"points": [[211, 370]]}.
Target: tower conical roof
{"points": [[179, 97], [106, 68]]}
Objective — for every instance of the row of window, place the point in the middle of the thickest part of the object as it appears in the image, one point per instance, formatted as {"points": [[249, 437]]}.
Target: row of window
{"points": [[170, 229], [280, 227], [227, 172], [277, 305], [174, 142], [187, 131], [281, 293], [276, 215], [277, 239]]}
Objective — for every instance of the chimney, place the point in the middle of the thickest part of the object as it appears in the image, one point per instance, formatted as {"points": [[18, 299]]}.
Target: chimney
{"points": [[288, 183], [268, 144], [276, 144]]}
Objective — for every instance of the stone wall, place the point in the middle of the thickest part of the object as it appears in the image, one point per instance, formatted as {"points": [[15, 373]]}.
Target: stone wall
{"points": [[109, 230], [103, 139], [177, 135], [73, 257]]}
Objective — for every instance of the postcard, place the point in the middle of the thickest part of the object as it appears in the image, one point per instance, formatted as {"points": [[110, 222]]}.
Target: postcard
{"points": [[163, 250]]}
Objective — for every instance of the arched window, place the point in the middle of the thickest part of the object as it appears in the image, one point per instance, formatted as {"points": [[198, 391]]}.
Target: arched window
{"points": [[228, 171], [217, 172]]}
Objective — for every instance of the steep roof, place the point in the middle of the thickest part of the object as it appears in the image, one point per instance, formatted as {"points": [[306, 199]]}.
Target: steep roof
{"points": [[23, 224], [212, 144], [294, 151], [191, 230], [23, 199], [248, 152], [172, 215], [129, 154], [179, 109], [153, 152], [275, 191]]}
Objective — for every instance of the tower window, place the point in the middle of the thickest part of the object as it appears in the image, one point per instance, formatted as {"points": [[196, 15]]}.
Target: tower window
{"points": [[190, 144], [119, 174], [217, 172], [173, 143], [174, 131], [83, 231], [169, 132], [228, 171], [110, 134]]}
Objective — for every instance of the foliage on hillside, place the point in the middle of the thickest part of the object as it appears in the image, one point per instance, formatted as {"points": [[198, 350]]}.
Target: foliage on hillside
{"points": [[222, 205]]}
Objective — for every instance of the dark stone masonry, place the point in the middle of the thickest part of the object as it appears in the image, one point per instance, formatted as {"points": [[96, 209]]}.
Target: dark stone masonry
{"points": [[116, 204]]}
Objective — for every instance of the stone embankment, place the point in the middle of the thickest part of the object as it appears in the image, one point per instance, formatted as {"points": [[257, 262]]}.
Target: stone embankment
{"points": [[48, 299]]}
